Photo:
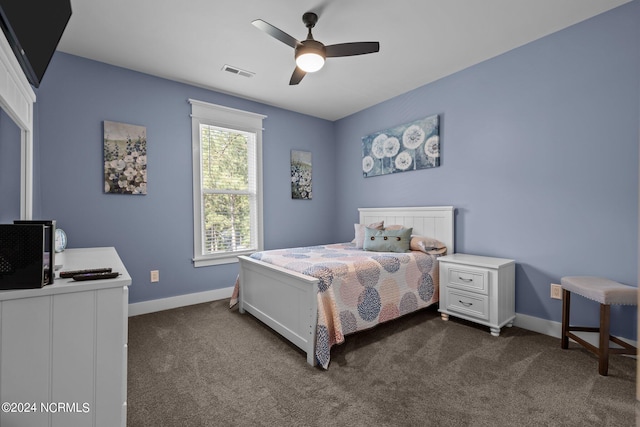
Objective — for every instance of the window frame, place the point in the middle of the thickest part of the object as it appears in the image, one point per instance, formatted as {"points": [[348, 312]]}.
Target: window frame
{"points": [[230, 118]]}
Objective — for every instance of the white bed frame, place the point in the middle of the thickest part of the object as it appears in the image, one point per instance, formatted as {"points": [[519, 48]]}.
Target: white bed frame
{"points": [[286, 301]]}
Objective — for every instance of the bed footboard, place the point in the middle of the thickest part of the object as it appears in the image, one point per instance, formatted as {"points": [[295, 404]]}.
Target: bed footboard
{"points": [[285, 301]]}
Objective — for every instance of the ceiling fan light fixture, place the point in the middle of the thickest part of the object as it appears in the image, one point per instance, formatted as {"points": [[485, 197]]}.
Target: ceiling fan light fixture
{"points": [[310, 62], [310, 56]]}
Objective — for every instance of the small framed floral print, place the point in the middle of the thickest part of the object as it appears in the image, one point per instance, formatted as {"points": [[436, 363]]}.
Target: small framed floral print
{"points": [[301, 175], [125, 158]]}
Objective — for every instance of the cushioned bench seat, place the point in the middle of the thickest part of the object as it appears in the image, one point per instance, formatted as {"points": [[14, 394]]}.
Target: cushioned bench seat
{"points": [[605, 292]]}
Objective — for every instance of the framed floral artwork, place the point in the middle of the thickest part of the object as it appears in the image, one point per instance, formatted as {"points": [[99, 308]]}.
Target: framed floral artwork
{"points": [[301, 175], [411, 146], [125, 158]]}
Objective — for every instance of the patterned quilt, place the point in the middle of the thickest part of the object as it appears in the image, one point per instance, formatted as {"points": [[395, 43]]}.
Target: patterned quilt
{"points": [[358, 289]]}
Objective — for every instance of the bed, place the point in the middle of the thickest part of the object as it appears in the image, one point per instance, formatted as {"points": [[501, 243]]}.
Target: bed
{"points": [[287, 301]]}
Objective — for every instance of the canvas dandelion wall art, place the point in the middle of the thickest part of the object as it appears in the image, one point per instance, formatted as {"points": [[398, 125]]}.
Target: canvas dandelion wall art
{"points": [[125, 158], [301, 175], [410, 146]]}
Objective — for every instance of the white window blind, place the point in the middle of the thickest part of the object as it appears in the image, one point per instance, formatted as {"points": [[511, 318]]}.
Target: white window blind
{"points": [[227, 183]]}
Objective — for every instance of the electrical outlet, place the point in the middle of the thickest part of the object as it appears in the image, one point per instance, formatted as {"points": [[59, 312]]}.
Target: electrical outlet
{"points": [[155, 276], [556, 291]]}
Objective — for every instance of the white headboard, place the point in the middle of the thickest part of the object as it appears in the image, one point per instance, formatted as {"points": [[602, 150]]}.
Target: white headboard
{"points": [[430, 221]]}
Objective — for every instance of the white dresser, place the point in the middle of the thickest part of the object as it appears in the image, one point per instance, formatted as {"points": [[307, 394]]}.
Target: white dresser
{"points": [[63, 348], [478, 288]]}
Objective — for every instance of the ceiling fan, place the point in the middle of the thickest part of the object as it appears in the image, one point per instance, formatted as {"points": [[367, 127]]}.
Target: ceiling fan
{"points": [[310, 54]]}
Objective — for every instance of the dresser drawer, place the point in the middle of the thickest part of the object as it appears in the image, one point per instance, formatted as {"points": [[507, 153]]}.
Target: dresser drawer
{"points": [[468, 278], [468, 303]]}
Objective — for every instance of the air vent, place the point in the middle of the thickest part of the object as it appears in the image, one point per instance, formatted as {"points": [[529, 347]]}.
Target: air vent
{"points": [[238, 71]]}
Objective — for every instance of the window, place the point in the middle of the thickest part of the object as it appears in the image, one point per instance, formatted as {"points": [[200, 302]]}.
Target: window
{"points": [[227, 183]]}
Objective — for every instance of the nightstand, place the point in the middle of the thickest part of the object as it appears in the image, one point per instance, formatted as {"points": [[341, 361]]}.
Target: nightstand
{"points": [[478, 288]]}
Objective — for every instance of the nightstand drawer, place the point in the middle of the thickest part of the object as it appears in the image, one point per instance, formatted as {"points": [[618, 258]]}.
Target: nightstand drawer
{"points": [[468, 278], [468, 303]]}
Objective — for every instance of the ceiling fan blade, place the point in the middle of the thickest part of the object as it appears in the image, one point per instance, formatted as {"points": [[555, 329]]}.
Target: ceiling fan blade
{"points": [[276, 33], [297, 75], [350, 49]]}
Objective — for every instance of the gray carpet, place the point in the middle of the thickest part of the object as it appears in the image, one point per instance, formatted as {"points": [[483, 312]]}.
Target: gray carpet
{"points": [[206, 365]]}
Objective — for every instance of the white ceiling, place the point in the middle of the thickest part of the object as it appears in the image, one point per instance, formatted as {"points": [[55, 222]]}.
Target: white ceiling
{"points": [[420, 41]]}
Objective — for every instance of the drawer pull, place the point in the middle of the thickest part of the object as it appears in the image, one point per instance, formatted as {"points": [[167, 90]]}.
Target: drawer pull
{"points": [[465, 280], [466, 304]]}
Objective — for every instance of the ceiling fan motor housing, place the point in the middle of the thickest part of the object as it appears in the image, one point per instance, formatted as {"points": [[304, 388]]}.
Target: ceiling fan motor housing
{"points": [[311, 46]]}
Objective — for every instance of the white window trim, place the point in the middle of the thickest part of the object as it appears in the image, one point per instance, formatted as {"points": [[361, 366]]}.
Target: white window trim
{"points": [[217, 115]]}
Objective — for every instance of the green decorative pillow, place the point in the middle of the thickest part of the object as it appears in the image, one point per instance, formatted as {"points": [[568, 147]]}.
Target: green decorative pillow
{"points": [[387, 240]]}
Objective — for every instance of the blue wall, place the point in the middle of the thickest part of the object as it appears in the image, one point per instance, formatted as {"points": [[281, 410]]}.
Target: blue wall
{"points": [[155, 231], [539, 152]]}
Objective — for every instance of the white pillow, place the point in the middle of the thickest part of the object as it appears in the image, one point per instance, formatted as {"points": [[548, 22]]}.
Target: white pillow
{"points": [[360, 231]]}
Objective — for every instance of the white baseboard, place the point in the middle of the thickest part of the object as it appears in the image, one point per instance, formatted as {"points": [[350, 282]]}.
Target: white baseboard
{"points": [[152, 306], [531, 323], [554, 329], [536, 324]]}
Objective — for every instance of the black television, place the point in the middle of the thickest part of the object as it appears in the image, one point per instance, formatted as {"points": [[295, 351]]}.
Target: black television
{"points": [[33, 28]]}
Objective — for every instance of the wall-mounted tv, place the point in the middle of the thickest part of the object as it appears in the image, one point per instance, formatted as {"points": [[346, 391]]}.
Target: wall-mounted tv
{"points": [[33, 29]]}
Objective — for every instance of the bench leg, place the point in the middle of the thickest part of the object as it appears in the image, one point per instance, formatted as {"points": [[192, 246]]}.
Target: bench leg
{"points": [[603, 351], [566, 304]]}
